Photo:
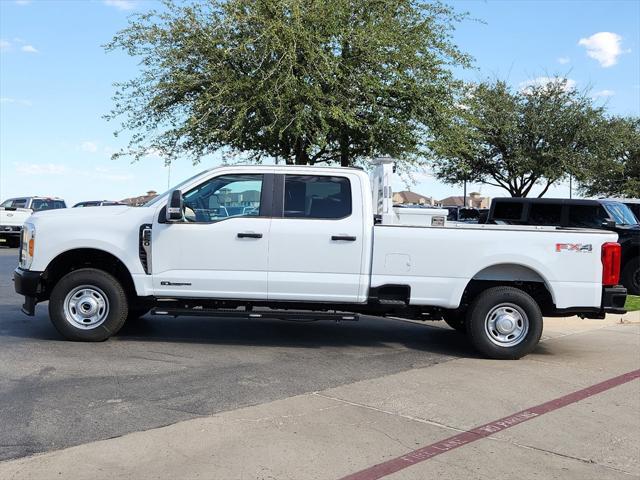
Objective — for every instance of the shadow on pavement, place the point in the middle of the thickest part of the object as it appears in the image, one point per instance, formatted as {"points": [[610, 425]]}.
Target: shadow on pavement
{"points": [[367, 332]]}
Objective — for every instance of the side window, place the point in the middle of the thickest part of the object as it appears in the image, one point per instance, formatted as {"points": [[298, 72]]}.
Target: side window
{"points": [[59, 204], [319, 197], [508, 211], [545, 214], [15, 203], [586, 216], [223, 197], [38, 205]]}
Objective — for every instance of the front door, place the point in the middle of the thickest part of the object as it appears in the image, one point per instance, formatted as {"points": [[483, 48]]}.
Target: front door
{"points": [[316, 247], [220, 248]]}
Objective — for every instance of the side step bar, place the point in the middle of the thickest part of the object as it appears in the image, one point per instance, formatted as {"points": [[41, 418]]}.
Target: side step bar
{"points": [[272, 314]]}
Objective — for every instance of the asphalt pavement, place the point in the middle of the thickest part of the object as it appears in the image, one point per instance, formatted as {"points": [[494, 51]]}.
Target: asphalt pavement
{"points": [[159, 371]]}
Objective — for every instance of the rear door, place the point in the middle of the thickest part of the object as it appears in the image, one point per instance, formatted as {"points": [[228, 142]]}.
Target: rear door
{"points": [[317, 239]]}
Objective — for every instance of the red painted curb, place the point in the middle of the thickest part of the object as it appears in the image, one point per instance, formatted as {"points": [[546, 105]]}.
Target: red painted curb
{"points": [[464, 438]]}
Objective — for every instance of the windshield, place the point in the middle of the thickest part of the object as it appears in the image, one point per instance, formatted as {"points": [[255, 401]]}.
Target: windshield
{"points": [[155, 200], [621, 214]]}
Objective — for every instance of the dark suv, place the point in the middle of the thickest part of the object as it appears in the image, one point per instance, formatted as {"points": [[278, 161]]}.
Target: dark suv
{"points": [[600, 214]]}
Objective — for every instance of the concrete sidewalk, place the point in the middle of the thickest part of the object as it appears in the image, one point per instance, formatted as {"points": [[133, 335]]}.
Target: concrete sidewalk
{"points": [[336, 432]]}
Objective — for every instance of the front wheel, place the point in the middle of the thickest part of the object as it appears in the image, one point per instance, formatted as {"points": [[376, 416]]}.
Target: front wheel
{"points": [[88, 305], [504, 323]]}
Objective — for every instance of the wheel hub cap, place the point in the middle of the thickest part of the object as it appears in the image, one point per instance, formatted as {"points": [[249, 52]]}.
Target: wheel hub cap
{"points": [[506, 325], [86, 307]]}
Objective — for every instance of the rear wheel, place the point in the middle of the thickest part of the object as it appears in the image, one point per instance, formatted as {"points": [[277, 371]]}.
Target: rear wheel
{"points": [[88, 305], [631, 276], [504, 323]]}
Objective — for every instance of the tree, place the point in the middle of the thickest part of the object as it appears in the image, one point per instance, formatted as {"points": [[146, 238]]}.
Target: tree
{"points": [[616, 172], [516, 140], [306, 81]]}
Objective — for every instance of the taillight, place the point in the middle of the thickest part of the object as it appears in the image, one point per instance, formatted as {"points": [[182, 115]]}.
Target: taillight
{"points": [[611, 253]]}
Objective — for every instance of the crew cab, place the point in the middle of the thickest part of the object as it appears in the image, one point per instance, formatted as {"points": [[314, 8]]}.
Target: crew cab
{"points": [[15, 211], [299, 242]]}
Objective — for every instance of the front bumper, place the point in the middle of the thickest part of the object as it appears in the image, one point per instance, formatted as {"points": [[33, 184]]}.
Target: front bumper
{"points": [[29, 284]]}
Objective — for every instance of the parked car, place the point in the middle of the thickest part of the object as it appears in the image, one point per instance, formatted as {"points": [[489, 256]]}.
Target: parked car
{"points": [[601, 214], [464, 214], [97, 203], [312, 252], [15, 211]]}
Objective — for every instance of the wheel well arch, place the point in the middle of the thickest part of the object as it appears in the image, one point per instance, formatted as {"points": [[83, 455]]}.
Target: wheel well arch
{"points": [[87, 258], [511, 274]]}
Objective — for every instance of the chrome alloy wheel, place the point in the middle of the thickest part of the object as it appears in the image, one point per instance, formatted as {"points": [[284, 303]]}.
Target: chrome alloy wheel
{"points": [[506, 325], [86, 307]]}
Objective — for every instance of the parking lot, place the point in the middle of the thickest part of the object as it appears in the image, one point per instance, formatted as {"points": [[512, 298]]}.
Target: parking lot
{"points": [[273, 399]]}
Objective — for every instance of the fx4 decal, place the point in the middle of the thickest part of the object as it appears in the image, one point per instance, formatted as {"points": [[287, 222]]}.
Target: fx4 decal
{"points": [[574, 247]]}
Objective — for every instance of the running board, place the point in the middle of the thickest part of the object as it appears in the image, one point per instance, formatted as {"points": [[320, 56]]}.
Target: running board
{"points": [[249, 314]]}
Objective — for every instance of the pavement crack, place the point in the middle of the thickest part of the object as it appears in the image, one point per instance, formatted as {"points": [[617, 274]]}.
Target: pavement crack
{"points": [[394, 439], [563, 455], [387, 412]]}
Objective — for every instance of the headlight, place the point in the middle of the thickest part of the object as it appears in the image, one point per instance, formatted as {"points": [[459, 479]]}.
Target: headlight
{"points": [[27, 245]]}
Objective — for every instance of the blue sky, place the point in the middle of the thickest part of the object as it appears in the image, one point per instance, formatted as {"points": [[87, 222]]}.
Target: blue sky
{"points": [[56, 83]]}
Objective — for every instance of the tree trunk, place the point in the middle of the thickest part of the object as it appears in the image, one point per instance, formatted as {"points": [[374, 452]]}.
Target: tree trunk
{"points": [[344, 150], [302, 157]]}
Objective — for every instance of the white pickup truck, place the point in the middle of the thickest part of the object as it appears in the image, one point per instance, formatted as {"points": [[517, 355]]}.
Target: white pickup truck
{"points": [[307, 243], [15, 211]]}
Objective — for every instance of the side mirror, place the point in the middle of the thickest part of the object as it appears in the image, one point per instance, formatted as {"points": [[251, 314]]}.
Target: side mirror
{"points": [[609, 224], [175, 207]]}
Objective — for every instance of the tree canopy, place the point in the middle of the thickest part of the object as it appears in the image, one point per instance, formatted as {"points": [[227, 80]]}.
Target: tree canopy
{"points": [[616, 171], [304, 81], [519, 139]]}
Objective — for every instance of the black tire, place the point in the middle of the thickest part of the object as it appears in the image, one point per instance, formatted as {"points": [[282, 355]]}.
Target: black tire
{"points": [[93, 286], [456, 320], [631, 276], [518, 309]]}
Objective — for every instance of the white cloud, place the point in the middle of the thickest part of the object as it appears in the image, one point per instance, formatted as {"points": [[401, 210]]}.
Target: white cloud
{"points": [[23, 2], [121, 4], [604, 93], [605, 47], [89, 147], [544, 81], [29, 49], [18, 101], [40, 169], [563, 60], [4, 45]]}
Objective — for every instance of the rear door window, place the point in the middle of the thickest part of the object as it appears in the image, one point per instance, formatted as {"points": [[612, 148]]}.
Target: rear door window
{"points": [[548, 214], [319, 197], [587, 216]]}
